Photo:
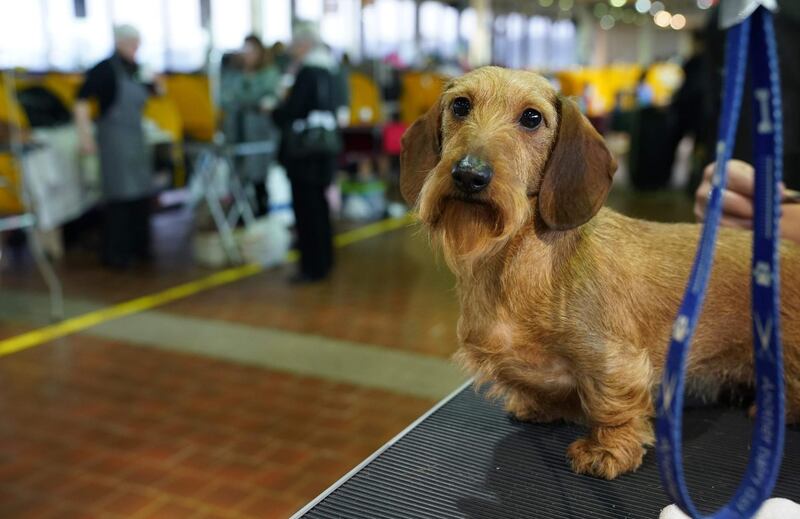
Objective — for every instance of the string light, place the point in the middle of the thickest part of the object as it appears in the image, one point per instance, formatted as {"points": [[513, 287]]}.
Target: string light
{"points": [[600, 10], [628, 16], [678, 22], [705, 4], [642, 6], [607, 22], [656, 7], [617, 3], [662, 18]]}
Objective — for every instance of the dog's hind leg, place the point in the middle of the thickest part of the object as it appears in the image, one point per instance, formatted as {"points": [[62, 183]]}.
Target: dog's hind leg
{"points": [[618, 407]]}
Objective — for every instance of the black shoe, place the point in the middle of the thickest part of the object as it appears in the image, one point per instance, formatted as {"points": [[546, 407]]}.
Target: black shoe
{"points": [[118, 263], [304, 279]]}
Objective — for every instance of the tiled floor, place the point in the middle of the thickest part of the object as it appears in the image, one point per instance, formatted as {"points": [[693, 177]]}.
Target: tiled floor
{"points": [[115, 422], [93, 428]]}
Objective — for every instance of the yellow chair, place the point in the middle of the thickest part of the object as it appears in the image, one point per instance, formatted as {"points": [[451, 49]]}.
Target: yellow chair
{"points": [[63, 86], [419, 91], [365, 101], [12, 118], [165, 113], [192, 97], [664, 79]]}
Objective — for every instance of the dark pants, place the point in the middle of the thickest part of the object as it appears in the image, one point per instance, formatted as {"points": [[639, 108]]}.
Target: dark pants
{"points": [[126, 232], [314, 233]]}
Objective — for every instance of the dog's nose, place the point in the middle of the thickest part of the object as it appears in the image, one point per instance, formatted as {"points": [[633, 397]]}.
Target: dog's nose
{"points": [[472, 174]]}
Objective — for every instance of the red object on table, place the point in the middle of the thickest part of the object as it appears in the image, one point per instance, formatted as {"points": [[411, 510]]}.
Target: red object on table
{"points": [[392, 137]]}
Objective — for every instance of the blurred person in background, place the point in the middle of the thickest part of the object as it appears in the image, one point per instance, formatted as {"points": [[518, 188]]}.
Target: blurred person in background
{"points": [[125, 169], [249, 93], [787, 34], [313, 93], [280, 56], [691, 105]]}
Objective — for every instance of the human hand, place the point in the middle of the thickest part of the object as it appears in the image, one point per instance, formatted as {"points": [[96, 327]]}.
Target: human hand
{"points": [[87, 145], [737, 200]]}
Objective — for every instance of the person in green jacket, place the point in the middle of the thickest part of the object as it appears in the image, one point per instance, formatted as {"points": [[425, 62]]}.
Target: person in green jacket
{"points": [[247, 95]]}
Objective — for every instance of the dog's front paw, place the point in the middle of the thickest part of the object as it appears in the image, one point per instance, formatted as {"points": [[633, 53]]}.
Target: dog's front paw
{"points": [[587, 456]]}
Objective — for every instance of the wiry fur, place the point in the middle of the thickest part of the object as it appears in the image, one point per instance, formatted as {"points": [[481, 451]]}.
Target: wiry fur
{"points": [[572, 321]]}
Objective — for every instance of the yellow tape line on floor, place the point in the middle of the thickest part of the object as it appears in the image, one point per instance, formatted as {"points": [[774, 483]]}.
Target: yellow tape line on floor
{"points": [[141, 304]]}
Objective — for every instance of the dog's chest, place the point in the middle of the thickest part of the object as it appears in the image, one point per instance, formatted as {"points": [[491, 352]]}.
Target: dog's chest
{"points": [[505, 351]]}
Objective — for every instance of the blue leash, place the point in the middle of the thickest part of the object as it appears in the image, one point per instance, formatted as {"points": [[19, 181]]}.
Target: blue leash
{"points": [[768, 431]]}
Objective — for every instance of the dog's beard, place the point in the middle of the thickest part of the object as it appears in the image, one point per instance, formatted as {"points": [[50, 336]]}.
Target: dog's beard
{"points": [[469, 230]]}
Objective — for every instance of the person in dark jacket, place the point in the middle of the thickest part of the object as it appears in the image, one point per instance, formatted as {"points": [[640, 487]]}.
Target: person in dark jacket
{"points": [[125, 167], [313, 90]]}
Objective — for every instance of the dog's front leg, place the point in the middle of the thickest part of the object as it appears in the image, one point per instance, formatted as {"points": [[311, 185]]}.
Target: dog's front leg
{"points": [[618, 406], [528, 404]]}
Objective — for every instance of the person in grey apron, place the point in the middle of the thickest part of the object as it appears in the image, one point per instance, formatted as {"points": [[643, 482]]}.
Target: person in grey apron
{"points": [[124, 156]]}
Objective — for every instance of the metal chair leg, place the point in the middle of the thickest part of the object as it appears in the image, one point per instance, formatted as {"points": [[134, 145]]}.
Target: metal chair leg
{"points": [[217, 213], [241, 204], [48, 274]]}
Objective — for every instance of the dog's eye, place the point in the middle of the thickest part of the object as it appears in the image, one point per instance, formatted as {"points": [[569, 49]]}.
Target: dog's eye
{"points": [[461, 107], [530, 119]]}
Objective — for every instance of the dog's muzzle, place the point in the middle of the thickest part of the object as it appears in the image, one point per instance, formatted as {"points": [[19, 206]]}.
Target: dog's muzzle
{"points": [[472, 174]]}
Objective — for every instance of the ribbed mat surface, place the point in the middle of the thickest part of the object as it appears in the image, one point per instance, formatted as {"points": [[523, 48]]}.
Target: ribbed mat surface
{"points": [[469, 460]]}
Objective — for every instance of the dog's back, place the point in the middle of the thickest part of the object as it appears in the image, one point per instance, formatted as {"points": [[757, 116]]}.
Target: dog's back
{"points": [[656, 259]]}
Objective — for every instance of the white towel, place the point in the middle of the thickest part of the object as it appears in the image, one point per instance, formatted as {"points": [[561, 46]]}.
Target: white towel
{"points": [[775, 508]]}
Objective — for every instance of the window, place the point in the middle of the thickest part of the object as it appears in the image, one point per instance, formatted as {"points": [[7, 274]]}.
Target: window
{"points": [[186, 40], [276, 21], [438, 27], [22, 35], [62, 27], [539, 52], [148, 17], [340, 26], [310, 10], [563, 42], [95, 39], [230, 23], [389, 27]]}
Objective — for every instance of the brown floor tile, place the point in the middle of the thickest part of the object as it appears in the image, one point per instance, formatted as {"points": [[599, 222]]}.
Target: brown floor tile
{"points": [[129, 502], [269, 507], [185, 485], [88, 432], [173, 510], [88, 493], [226, 496]]}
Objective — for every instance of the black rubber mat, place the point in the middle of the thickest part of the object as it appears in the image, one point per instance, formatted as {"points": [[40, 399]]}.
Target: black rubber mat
{"points": [[470, 460]]}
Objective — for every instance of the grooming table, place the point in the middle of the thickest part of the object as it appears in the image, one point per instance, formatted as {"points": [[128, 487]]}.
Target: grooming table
{"points": [[467, 459]]}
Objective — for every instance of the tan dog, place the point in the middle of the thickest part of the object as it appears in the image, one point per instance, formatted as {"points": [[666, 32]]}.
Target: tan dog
{"points": [[566, 307]]}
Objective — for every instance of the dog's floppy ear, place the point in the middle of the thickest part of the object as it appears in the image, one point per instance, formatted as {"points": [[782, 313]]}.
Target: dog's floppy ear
{"points": [[578, 173], [420, 153]]}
